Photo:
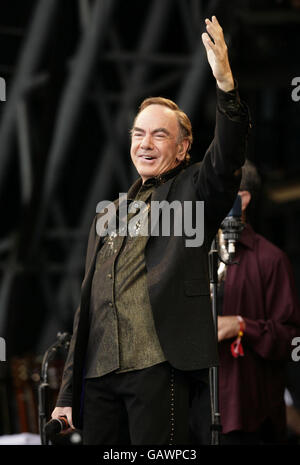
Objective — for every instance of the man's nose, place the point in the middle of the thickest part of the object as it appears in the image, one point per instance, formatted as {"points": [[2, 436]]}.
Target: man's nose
{"points": [[147, 142]]}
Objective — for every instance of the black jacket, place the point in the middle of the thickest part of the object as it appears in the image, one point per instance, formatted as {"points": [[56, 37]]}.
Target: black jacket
{"points": [[178, 279]]}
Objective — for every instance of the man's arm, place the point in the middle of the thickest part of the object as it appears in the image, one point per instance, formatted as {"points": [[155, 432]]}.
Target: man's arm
{"points": [[218, 178], [64, 399]]}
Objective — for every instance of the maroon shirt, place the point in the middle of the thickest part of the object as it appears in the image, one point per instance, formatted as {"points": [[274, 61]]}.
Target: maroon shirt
{"points": [[262, 290]]}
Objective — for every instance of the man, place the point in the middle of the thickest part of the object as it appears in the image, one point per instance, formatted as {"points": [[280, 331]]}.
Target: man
{"points": [[144, 324], [257, 298]]}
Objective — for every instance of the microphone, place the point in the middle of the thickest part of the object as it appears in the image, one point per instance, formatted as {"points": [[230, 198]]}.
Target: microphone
{"points": [[232, 226], [56, 425]]}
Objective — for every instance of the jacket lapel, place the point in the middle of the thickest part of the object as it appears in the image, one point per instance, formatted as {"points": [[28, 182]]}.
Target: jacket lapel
{"points": [[161, 193]]}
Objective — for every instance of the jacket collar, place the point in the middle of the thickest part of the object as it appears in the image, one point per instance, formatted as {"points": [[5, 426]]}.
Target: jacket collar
{"points": [[155, 181]]}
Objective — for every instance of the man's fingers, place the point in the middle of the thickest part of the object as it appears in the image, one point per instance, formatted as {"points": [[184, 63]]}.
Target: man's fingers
{"points": [[61, 412], [215, 21], [214, 29], [208, 43], [69, 418]]}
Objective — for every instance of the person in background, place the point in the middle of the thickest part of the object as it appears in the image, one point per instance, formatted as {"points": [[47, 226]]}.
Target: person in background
{"points": [[258, 316]]}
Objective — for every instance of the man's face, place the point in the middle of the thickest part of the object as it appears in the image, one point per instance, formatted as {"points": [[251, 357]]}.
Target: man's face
{"points": [[154, 141]]}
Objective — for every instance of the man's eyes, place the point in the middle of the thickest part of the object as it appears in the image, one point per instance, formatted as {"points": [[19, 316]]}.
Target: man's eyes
{"points": [[160, 135], [157, 135]]}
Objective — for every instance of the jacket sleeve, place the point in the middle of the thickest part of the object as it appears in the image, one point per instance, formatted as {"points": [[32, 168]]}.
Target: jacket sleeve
{"points": [[271, 338], [64, 398], [218, 179]]}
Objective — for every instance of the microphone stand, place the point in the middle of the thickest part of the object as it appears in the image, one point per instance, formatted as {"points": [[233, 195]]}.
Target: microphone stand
{"points": [[213, 260], [63, 340], [216, 426], [232, 228]]}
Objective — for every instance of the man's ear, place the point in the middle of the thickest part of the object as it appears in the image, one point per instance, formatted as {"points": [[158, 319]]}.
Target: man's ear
{"points": [[183, 148], [245, 198]]}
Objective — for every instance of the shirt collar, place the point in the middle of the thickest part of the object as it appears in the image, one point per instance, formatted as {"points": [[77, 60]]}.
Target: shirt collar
{"points": [[153, 182], [161, 178]]}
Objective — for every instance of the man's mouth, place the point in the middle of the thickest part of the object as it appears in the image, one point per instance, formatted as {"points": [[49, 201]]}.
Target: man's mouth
{"points": [[147, 157]]}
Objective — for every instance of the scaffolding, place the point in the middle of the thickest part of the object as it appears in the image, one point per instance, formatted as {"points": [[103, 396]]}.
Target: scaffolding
{"points": [[81, 69]]}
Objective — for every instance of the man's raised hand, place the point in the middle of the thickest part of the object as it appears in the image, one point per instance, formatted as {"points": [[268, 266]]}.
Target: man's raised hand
{"points": [[217, 54]]}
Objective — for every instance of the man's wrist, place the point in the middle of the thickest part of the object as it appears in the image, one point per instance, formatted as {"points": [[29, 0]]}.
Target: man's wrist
{"points": [[229, 104], [241, 325], [227, 84]]}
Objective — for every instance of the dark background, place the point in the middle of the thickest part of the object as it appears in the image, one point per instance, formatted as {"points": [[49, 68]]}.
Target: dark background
{"points": [[75, 74]]}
